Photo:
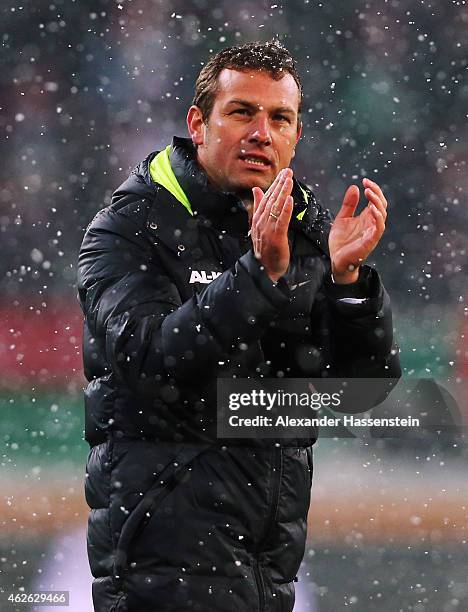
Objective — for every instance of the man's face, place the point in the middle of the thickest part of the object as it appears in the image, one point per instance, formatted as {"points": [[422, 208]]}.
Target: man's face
{"points": [[251, 132]]}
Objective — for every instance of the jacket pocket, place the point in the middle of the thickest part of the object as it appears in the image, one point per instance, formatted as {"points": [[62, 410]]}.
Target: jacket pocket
{"points": [[168, 479]]}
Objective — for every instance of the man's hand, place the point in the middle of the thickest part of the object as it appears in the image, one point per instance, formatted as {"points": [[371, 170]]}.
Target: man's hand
{"points": [[352, 239], [272, 212]]}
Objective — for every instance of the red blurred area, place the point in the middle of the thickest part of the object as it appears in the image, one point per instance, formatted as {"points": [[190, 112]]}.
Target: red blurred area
{"points": [[41, 342]]}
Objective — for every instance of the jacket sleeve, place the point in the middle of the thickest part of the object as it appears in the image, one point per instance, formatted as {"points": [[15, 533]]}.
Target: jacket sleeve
{"points": [[360, 329], [349, 333], [133, 306]]}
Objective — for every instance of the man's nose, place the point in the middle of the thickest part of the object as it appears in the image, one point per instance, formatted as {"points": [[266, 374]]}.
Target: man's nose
{"points": [[260, 131]]}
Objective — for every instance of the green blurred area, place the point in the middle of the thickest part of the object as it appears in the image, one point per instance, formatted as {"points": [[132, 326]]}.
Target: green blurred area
{"points": [[428, 345], [45, 428]]}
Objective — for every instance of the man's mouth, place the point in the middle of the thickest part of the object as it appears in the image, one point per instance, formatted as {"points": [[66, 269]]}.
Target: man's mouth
{"points": [[254, 160]]}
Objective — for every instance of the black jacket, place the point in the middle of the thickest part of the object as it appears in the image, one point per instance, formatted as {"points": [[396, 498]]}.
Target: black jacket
{"points": [[173, 299]]}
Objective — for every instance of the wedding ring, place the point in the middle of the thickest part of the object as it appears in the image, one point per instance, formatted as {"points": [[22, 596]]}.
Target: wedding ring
{"points": [[273, 215]]}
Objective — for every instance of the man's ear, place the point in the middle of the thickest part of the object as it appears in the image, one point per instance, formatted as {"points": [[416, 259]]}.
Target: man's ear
{"points": [[196, 125], [298, 135]]}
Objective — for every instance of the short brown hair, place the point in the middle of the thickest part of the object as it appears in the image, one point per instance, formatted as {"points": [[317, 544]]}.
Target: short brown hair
{"points": [[271, 57]]}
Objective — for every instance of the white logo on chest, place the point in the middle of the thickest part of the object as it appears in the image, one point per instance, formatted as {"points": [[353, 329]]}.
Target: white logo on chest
{"points": [[203, 277]]}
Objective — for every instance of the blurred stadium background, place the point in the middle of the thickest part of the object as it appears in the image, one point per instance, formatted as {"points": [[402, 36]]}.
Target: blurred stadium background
{"points": [[88, 89]]}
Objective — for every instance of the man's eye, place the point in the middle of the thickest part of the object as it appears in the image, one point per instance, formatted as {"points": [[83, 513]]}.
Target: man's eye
{"points": [[240, 111], [282, 118]]}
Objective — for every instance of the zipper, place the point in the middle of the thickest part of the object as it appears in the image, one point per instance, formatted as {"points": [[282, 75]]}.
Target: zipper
{"points": [[277, 473], [260, 585]]}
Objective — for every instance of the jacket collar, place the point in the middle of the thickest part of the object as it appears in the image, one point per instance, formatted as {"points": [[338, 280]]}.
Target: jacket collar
{"points": [[178, 229], [224, 210]]}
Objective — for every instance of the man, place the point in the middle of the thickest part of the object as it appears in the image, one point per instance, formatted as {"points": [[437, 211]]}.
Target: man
{"points": [[213, 261]]}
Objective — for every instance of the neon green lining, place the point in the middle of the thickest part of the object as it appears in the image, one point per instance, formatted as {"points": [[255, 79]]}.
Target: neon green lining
{"points": [[306, 198], [162, 173], [301, 214]]}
